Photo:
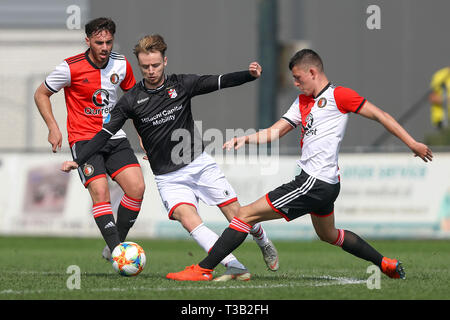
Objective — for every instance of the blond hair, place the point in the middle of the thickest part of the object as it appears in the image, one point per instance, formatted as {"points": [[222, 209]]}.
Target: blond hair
{"points": [[150, 43]]}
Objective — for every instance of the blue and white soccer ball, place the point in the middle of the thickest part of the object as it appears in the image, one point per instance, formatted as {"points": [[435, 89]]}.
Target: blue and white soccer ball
{"points": [[128, 259]]}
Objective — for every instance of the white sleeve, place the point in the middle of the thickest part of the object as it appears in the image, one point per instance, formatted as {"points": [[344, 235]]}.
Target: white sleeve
{"points": [[59, 78], [293, 115]]}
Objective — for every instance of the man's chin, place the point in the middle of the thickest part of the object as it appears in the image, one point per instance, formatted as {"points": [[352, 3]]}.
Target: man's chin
{"points": [[152, 82]]}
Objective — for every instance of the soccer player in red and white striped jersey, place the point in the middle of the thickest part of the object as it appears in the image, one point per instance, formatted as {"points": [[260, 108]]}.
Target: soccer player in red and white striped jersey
{"points": [[322, 113], [91, 82]]}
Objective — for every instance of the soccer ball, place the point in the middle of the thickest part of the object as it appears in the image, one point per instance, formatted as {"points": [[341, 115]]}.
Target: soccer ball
{"points": [[128, 259]]}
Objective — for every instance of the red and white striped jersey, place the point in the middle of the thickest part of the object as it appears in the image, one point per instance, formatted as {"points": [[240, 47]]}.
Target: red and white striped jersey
{"points": [[90, 92], [323, 120]]}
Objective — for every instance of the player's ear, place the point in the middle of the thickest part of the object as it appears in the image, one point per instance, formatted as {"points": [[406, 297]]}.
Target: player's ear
{"points": [[313, 72], [87, 41], [165, 61]]}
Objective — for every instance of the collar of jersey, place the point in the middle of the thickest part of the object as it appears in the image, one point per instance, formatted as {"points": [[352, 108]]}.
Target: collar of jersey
{"points": [[323, 90], [153, 90]]}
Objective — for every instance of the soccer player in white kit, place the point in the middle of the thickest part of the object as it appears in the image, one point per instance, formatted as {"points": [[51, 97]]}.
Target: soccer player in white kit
{"points": [[322, 112]]}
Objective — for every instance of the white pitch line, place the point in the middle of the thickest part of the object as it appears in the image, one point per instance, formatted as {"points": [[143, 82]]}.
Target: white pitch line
{"points": [[330, 282]]}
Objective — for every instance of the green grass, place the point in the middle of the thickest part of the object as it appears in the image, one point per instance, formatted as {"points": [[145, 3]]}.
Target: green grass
{"points": [[35, 268]]}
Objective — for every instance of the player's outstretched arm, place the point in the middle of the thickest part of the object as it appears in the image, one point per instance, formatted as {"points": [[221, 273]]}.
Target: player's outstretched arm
{"points": [[276, 131], [199, 85], [234, 79], [42, 100], [420, 150]]}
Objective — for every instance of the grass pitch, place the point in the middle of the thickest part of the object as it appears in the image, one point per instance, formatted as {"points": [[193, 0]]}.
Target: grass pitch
{"points": [[37, 268]]}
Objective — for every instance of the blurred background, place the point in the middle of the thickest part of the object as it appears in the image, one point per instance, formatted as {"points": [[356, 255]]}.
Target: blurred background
{"points": [[388, 51], [391, 66]]}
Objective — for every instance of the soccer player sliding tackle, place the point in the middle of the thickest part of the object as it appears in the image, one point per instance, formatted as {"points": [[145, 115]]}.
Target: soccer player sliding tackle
{"points": [[321, 111]]}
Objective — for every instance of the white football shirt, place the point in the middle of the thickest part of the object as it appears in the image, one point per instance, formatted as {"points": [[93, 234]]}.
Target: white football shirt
{"points": [[323, 120]]}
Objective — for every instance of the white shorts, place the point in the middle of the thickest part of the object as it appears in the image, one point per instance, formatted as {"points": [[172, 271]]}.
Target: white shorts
{"points": [[201, 179]]}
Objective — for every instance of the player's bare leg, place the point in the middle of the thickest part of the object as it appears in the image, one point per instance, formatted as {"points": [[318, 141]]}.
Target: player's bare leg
{"points": [[102, 211], [353, 244], [270, 253], [189, 218], [99, 190], [257, 211], [131, 181], [325, 228]]}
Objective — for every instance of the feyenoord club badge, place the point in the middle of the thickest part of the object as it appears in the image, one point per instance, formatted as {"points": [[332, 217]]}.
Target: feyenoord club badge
{"points": [[322, 102], [88, 170], [114, 78], [172, 93]]}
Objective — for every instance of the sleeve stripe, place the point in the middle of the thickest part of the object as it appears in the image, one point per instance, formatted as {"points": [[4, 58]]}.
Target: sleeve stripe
{"points": [[49, 88], [107, 131], [290, 122], [77, 57], [360, 106], [218, 82], [75, 60]]}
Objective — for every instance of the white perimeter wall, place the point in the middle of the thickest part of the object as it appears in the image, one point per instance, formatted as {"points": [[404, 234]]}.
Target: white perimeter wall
{"points": [[382, 195]]}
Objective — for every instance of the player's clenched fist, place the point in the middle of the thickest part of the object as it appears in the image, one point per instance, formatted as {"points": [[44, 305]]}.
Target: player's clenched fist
{"points": [[69, 165], [255, 69]]}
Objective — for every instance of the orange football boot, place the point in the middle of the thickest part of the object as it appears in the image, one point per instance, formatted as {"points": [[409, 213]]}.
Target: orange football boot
{"points": [[192, 273], [393, 268]]}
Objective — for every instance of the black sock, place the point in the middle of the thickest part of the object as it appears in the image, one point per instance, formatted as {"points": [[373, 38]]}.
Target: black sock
{"points": [[227, 242], [127, 214], [125, 220], [356, 246], [105, 221]]}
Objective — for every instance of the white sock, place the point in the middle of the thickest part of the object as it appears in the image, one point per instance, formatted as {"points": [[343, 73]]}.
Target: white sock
{"points": [[259, 235], [206, 238]]}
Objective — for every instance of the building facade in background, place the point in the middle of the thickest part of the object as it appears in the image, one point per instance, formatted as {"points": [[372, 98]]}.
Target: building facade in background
{"points": [[390, 65]]}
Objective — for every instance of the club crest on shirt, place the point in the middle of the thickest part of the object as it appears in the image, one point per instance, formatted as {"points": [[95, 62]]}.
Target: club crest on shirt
{"points": [[88, 170], [114, 78], [172, 93], [322, 102]]}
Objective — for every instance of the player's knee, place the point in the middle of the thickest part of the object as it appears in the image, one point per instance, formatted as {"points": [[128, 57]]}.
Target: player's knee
{"points": [[189, 221], [136, 190], [246, 216], [187, 216], [100, 194], [327, 236]]}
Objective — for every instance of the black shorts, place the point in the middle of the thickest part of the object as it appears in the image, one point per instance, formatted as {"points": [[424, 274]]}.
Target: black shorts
{"points": [[303, 195], [113, 158]]}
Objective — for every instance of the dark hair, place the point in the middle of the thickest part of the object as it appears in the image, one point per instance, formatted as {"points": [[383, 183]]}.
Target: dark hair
{"points": [[99, 24], [150, 43], [306, 57]]}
